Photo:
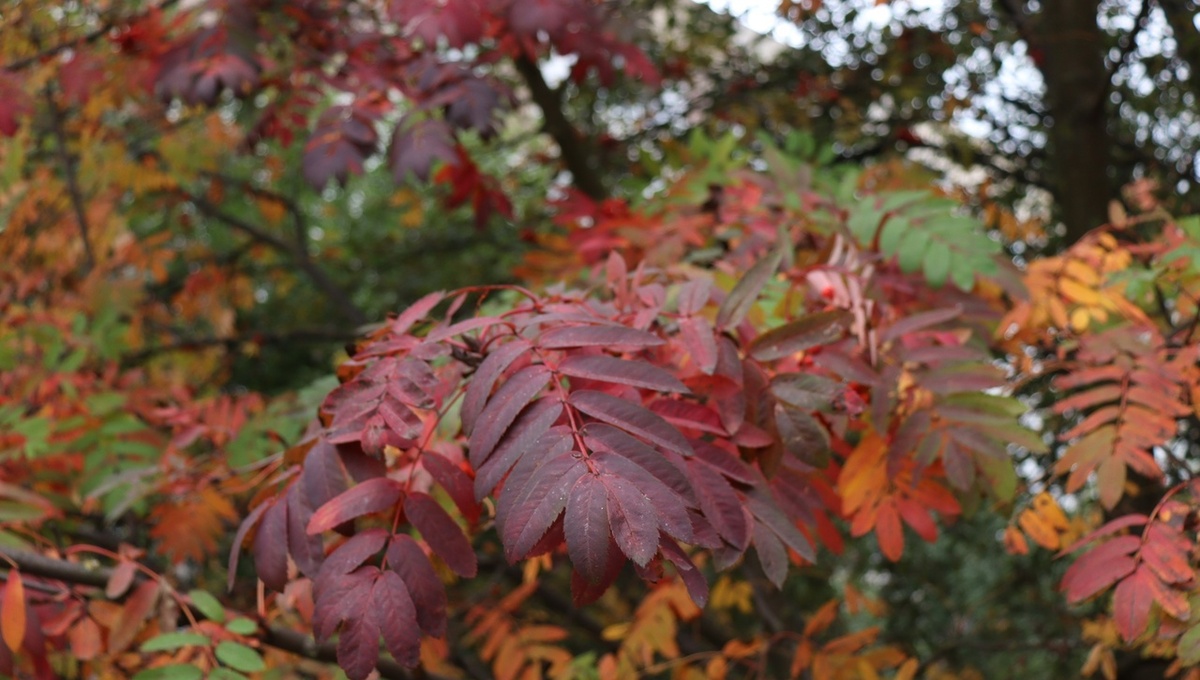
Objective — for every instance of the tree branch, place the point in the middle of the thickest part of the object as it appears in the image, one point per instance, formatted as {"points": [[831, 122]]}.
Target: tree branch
{"points": [[58, 127], [577, 151], [345, 306], [315, 335], [278, 637], [91, 36]]}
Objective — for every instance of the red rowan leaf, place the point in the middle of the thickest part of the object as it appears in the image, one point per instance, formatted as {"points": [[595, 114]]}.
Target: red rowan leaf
{"points": [[133, 614], [120, 580], [458, 22], [307, 551], [610, 337], [530, 480], [1100, 567], [889, 531], [349, 556], [697, 336], [346, 597], [240, 537], [729, 464], [587, 529], [685, 414], [741, 299], [806, 391], [1165, 552], [425, 590], [529, 432], [324, 476], [632, 418], [358, 643], [694, 295], [418, 144], [544, 501], [364, 498], [455, 481], [721, 506], [632, 518], [917, 516], [762, 505], [1131, 604], [802, 436], [502, 409], [395, 615], [270, 546], [485, 377], [415, 312], [772, 556], [804, 333], [442, 533], [669, 506], [621, 371], [659, 465], [692, 578]]}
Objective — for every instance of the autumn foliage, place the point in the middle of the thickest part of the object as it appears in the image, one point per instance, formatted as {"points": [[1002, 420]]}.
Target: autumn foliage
{"points": [[687, 400]]}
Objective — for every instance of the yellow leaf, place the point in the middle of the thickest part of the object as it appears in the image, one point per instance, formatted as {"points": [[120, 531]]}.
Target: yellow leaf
{"points": [[12, 611], [907, 670], [1037, 528], [1047, 507], [616, 631]]}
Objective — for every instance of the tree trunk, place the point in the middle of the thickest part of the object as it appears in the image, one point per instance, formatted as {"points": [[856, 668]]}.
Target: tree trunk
{"points": [[1072, 63]]}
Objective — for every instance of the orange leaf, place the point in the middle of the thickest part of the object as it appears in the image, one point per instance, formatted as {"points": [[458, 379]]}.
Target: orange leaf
{"points": [[1037, 528], [12, 611], [85, 639], [1014, 541]]}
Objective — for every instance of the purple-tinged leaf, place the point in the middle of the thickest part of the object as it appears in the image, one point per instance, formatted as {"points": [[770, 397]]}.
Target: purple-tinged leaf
{"points": [[658, 464], [416, 311], [697, 587], [741, 299], [804, 333], [802, 436], [338, 599], [270, 547], [400, 419], [848, 367], [771, 554], [584, 591], [528, 485], [729, 464], [528, 433], [395, 616], [442, 533], [694, 295], [1100, 567], [323, 476], [418, 144], [685, 414], [455, 481], [373, 495], [919, 322], [609, 337], [762, 505], [349, 556], [621, 371], [632, 518], [633, 418], [240, 537], [307, 551], [721, 506], [540, 509], [669, 506], [484, 379], [697, 336], [359, 465], [587, 529], [504, 406], [425, 589], [1118, 524], [806, 391], [358, 644]]}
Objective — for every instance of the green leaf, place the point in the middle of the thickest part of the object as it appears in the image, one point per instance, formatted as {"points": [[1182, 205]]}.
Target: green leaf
{"points": [[962, 273], [912, 250], [863, 223], [208, 605], [178, 671], [1189, 642], [240, 657], [225, 674], [161, 643], [241, 626], [1000, 475], [937, 264]]}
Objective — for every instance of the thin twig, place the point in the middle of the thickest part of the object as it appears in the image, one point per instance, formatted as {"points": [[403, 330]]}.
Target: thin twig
{"points": [[58, 127]]}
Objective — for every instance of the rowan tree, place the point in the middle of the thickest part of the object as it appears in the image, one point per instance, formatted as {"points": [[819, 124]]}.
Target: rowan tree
{"points": [[623, 355]]}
